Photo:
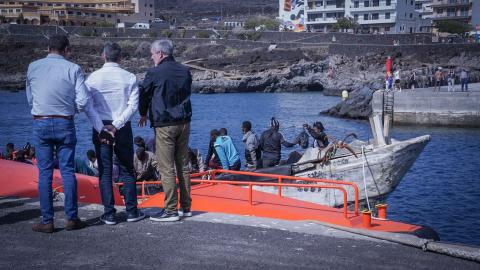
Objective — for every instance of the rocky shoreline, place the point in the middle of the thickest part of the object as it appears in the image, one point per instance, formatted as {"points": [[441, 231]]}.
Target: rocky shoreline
{"points": [[223, 69]]}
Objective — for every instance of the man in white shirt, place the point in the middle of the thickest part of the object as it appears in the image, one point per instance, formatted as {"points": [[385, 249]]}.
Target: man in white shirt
{"points": [[114, 92]]}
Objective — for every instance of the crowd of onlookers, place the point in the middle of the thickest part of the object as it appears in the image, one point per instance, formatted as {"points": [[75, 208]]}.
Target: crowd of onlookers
{"points": [[435, 77]]}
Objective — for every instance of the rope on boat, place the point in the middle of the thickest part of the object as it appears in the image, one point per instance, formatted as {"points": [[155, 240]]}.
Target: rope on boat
{"points": [[364, 159]]}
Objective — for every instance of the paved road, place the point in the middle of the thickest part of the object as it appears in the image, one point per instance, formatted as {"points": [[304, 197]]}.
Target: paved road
{"points": [[202, 242]]}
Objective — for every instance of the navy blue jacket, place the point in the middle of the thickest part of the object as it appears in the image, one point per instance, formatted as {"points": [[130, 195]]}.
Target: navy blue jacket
{"points": [[165, 94]]}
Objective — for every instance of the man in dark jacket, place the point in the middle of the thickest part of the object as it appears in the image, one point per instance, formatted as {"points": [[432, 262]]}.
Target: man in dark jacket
{"points": [[165, 95], [271, 143]]}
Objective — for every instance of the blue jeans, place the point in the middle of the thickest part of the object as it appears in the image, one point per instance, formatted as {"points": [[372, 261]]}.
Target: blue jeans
{"points": [[56, 135], [123, 150]]}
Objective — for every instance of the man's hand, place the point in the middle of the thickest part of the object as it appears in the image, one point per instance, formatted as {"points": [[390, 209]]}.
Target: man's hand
{"points": [[143, 121], [107, 135]]}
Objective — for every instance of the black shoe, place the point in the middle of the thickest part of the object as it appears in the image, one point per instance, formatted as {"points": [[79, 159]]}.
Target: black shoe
{"points": [[135, 216], [109, 219], [184, 212], [44, 228], [165, 216], [75, 224]]}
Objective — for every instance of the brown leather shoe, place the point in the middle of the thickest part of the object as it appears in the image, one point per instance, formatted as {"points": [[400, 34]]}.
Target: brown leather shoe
{"points": [[44, 228], [75, 224]]}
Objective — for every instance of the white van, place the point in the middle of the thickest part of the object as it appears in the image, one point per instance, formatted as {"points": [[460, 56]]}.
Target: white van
{"points": [[141, 26]]}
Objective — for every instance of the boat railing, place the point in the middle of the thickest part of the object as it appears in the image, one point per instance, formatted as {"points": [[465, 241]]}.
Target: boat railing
{"points": [[208, 177]]}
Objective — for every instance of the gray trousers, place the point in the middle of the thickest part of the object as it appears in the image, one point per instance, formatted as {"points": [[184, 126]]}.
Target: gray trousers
{"points": [[172, 157]]}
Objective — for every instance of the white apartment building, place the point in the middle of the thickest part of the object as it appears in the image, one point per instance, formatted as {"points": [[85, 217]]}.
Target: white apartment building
{"points": [[424, 8], [144, 12], [373, 16]]}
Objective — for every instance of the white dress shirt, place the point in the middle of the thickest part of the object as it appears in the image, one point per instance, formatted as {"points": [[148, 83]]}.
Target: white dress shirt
{"points": [[114, 94]]}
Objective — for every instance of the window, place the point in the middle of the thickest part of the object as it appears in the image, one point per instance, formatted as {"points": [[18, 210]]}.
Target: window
{"points": [[375, 16], [387, 28], [355, 17], [376, 3], [388, 2], [440, 11], [79, 13], [411, 15], [451, 12], [356, 4], [365, 17], [387, 15], [102, 15], [366, 3]]}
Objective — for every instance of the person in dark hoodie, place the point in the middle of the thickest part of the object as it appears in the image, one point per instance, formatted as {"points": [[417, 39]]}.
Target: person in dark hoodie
{"points": [[318, 134], [212, 161], [271, 143]]}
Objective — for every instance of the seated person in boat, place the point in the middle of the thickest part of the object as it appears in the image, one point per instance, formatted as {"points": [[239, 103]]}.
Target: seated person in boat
{"points": [[195, 161], [227, 153], [146, 165], [271, 143], [253, 153], [318, 134], [149, 144], [212, 161]]}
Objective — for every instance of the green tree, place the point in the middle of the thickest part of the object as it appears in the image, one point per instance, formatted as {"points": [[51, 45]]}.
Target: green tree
{"points": [[453, 27], [268, 23], [202, 34], [167, 33], [345, 23]]}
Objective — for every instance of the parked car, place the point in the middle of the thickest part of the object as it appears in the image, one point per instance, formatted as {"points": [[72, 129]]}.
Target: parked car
{"points": [[141, 26]]}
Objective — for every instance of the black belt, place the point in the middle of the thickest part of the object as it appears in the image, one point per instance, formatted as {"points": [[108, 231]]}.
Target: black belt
{"points": [[36, 117]]}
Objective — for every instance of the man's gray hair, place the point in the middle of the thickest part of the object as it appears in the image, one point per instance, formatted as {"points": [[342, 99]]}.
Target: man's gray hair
{"points": [[112, 52], [163, 45]]}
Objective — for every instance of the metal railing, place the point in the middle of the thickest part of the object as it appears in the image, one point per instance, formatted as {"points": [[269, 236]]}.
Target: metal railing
{"points": [[280, 184]]}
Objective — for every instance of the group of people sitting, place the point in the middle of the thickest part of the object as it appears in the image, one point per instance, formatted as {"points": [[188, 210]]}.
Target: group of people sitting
{"points": [[26, 154], [260, 152], [144, 162]]}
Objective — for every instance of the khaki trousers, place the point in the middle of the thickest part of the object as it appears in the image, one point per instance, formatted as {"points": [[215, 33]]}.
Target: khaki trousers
{"points": [[172, 157]]}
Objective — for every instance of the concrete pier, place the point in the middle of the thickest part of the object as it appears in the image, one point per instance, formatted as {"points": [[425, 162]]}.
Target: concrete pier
{"points": [[425, 107], [205, 241]]}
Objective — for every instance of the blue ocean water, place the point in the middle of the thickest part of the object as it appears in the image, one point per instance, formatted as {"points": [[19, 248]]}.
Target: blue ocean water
{"points": [[441, 190]]}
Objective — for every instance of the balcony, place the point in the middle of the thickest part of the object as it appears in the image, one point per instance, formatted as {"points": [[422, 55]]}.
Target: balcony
{"points": [[451, 3], [373, 8], [322, 21], [325, 8]]}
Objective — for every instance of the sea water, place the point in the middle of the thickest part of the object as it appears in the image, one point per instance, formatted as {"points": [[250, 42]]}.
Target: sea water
{"points": [[441, 190]]}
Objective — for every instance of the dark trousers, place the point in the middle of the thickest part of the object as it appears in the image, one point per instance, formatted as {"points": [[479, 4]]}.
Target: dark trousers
{"points": [[123, 149], [268, 162], [464, 84], [236, 166]]}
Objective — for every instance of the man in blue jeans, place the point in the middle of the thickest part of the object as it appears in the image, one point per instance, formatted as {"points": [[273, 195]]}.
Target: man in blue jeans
{"points": [[114, 93], [56, 91]]}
